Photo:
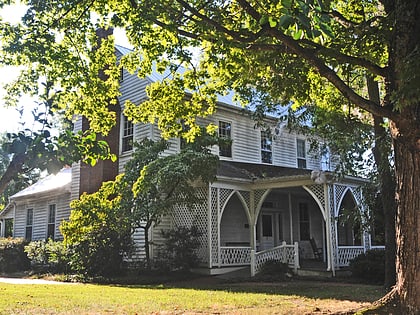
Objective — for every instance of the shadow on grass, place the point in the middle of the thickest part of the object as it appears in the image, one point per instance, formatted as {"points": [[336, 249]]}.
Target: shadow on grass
{"points": [[339, 289]]}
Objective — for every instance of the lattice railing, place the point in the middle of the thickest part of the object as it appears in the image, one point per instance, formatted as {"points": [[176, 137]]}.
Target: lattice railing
{"points": [[235, 256], [347, 253], [288, 254]]}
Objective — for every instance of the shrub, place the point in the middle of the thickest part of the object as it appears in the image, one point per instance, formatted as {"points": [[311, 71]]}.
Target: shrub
{"points": [[273, 270], [98, 233], [12, 255], [370, 266], [48, 255], [179, 250]]}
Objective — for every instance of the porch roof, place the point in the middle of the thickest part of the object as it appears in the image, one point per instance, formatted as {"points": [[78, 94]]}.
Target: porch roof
{"points": [[250, 171]]}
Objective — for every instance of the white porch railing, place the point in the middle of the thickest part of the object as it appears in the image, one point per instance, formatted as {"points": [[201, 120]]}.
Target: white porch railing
{"points": [[347, 253], [235, 256], [288, 254]]}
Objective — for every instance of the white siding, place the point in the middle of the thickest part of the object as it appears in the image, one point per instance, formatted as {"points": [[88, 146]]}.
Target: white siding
{"points": [[40, 208]]}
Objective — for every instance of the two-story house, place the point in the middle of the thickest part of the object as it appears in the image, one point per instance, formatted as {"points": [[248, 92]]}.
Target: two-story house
{"points": [[273, 198]]}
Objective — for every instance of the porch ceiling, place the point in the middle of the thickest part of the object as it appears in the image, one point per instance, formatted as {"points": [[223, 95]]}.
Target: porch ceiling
{"points": [[253, 172]]}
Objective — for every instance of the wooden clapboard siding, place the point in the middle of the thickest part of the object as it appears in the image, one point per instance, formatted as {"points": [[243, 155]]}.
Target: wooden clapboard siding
{"points": [[40, 206]]}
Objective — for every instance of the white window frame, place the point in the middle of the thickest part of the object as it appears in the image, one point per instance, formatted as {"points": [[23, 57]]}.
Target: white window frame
{"points": [[226, 134], [127, 134], [266, 146], [51, 223], [301, 158], [29, 223]]}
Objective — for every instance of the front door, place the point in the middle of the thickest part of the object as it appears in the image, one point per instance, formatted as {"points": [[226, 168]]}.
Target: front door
{"points": [[267, 239]]}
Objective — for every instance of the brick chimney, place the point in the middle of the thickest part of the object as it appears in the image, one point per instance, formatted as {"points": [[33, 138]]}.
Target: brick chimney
{"points": [[91, 177]]}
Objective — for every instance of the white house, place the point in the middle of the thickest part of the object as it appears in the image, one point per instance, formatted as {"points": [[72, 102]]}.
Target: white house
{"points": [[272, 199], [36, 212]]}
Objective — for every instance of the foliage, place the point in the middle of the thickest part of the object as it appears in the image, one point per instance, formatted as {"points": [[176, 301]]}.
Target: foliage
{"points": [[51, 256], [369, 266], [20, 182], [98, 232], [274, 270], [178, 251], [12, 256], [269, 53], [153, 183]]}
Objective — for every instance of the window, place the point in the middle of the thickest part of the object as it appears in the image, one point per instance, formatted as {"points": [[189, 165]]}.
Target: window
{"points": [[51, 222], [325, 159], [29, 223], [128, 133], [8, 228], [267, 225], [225, 132], [266, 147], [304, 222], [301, 153]]}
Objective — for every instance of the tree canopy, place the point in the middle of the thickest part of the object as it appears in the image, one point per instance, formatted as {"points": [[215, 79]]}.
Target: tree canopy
{"points": [[269, 53]]}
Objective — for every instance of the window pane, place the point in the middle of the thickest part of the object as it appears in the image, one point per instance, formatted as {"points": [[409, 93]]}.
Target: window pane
{"points": [[128, 132], [266, 147], [267, 225], [51, 214], [28, 233], [29, 216], [225, 148], [301, 148], [8, 228]]}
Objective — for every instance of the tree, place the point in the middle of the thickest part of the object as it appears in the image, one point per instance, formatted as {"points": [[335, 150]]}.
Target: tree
{"points": [[98, 232], [153, 184], [22, 181], [268, 52]]}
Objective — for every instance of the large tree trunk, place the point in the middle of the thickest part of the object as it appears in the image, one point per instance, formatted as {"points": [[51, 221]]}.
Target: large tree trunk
{"points": [[407, 158], [405, 132], [381, 153]]}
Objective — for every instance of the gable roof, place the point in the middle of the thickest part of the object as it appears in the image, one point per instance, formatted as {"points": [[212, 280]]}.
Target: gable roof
{"points": [[53, 182], [156, 76]]}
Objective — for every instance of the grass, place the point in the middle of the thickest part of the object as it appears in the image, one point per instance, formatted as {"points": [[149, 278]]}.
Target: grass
{"points": [[188, 297]]}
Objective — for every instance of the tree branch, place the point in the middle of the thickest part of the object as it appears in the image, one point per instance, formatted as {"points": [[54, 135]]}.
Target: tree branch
{"points": [[328, 73]]}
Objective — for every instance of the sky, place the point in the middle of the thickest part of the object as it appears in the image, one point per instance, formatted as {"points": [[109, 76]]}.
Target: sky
{"points": [[10, 117]]}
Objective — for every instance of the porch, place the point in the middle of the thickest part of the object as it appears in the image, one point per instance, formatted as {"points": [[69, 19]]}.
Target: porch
{"points": [[241, 256]]}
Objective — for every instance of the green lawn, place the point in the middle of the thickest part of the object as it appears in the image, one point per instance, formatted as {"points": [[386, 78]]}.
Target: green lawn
{"points": [[296, 297]]}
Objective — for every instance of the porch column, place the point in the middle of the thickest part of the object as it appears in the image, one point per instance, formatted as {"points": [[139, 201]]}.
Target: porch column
{"points": [[2, 223], [253, 221], [330, 245]]}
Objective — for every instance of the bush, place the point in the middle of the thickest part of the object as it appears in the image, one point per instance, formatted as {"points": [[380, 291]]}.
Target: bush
{"points": [[12, 255], [179, 251], [98, 233], [369, 267], [274, 270], [51, 256]]}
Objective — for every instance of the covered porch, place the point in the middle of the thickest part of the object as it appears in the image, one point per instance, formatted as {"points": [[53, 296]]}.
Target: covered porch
{"points": [[290, 215]]}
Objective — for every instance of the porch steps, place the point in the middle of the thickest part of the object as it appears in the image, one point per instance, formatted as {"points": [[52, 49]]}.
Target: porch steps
{"points": [[318, 274], [225, 272]]}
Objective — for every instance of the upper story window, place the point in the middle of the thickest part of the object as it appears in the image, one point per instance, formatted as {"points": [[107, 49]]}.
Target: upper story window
{"points": [[127, 134], [301, 153], [225, 132], [266, 147], [29, 224], [51, 221]]}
